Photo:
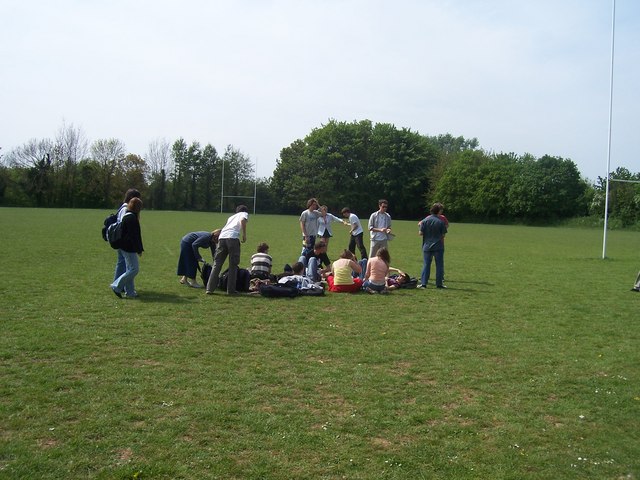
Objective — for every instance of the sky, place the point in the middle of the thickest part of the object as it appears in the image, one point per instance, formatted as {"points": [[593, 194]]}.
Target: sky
{"points": [[521, 76]]}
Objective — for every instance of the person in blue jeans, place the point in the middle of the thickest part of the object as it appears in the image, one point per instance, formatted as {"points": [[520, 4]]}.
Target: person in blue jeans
{"points": [[130, 248], [316, 261], [433, 230], [121, 264]]}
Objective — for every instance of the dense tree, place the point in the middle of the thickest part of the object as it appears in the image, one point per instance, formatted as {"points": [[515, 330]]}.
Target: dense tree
{"points": [[108, 154]]}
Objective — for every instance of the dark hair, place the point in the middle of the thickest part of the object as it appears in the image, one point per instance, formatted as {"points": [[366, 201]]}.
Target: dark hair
{"points": [[263, 247], [345, 210], [298, 267], [241, 208], [311, 201], [383, 254], [131, 193], [320, 244], [381, 201], [435, 208]]}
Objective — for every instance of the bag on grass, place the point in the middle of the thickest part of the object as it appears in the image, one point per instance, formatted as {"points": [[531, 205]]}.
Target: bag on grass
{"points": [[205, 272], [243, 280], [278, 291]]}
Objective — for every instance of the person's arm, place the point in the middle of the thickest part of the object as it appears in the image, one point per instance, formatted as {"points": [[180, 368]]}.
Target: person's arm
{"points": [[368, 271], [243, 225], [355, 266]]}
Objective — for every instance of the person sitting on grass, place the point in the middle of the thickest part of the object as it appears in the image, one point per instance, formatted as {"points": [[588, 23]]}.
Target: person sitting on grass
{"points": [[397, 281], [341, 278], [378, 268], [316, 261], [261, 263], [297, 277]]}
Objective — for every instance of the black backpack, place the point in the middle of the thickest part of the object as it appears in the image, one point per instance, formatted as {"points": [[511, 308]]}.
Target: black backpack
{"points": [[110, 220], [278, 291], [243, 280], [115, 230]]}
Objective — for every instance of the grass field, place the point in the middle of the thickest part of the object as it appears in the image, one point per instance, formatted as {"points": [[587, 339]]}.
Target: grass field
{"points": [[527, 367]]}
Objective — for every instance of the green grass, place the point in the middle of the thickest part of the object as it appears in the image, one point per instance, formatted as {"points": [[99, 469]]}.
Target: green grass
{"points": [[527, 367]]}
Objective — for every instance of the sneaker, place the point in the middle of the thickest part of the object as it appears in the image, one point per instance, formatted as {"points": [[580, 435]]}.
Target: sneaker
{"points": [[635, 289], [117, 293], [209, 292], [183, 280], [421, 286], [441, 286], [370, 290]]}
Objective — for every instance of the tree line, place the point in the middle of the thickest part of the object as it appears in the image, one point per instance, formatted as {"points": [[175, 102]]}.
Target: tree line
{"points": [[349, 164]]}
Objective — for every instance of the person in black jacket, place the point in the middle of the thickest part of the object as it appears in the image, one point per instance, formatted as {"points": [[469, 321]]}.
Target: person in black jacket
{"points": [[130, 247]]}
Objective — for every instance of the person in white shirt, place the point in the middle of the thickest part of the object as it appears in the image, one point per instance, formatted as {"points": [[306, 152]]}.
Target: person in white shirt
{"points": [[356, 233], [229, 246], [309, 224], [379, 228], [324, 224]]}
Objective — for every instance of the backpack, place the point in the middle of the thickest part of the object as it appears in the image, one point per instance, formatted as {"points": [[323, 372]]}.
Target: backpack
{"points": [[114, 232], [110, 220], [205, 272], [243, 280], [278, 291]]}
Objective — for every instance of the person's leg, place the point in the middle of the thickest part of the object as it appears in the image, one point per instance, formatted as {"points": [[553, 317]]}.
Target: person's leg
{"points": [[312, 270], [360, 242], [352, 244], [303, 260], [234, 262], [636, 287], [439, 256], [363, 266], [424, 277], [131, 270], [218, 261]]}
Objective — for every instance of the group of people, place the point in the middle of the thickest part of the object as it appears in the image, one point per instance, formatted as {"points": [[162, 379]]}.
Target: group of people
{"points": [[373, 274]]}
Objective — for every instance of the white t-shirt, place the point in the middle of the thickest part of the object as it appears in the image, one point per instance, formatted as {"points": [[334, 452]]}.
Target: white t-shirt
{"points": [[233, 227], [354, 220]]}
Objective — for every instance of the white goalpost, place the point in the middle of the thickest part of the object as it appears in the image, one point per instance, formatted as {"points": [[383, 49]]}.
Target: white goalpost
{"points": [[255, 188]]}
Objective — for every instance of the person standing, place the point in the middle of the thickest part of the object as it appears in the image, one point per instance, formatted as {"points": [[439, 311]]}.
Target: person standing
{"points": [[190, 255], [229, 246], [309, 224], [433, 230], [121, 264], [356, 233], [324, 224], [379, 228], [130, 248]]}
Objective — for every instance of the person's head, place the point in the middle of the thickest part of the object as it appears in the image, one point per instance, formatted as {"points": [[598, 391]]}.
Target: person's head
{"points": [[312, 204], [441, 208], [403, 278], [320, 246], [131, 193], [263, 248], [383, 204], [383, 254], [215, 235], [435, 208], [347, 254], [241, 208], [134, 205], [324, 209], [298, 268], [345, 212]]}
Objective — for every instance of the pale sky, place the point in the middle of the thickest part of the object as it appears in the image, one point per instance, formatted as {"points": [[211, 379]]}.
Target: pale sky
{"points": [[523, 76]]}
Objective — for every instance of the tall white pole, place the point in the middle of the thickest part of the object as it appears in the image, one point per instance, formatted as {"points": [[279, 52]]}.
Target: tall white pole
{"points": [[222, 187], [255, 186], [606, 198]]}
